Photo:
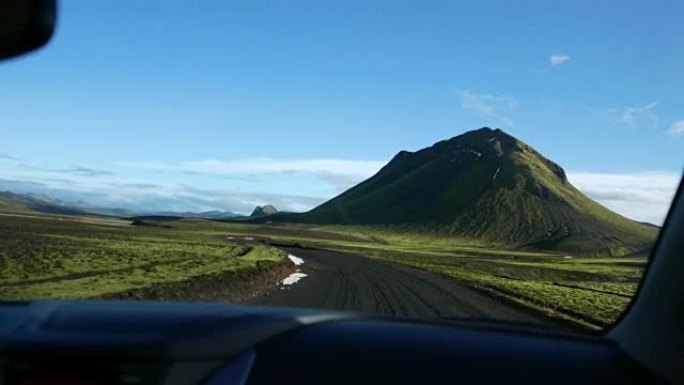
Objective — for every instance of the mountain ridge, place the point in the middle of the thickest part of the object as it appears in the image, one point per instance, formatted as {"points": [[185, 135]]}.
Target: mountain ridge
{"points": [[11, 202], [27, 203], [484, 184]]}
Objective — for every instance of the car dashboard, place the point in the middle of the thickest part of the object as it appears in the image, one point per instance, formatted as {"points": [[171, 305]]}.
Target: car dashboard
{"points": [[165, 343]]}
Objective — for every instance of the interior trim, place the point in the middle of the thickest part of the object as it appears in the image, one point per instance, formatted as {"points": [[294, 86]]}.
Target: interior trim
{"points": [[651, 329]]}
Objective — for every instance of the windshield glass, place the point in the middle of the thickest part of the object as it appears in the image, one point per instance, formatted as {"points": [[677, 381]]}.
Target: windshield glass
{"points": [[507, 161]]}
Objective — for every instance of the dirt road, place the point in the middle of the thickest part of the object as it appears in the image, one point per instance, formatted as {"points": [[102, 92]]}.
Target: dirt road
{"points": [[350, 282]]}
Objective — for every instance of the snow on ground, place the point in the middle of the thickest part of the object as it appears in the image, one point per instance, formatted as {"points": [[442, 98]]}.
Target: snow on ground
{"points": [[296, 260], [297, 275], [474, 152], [496, 173], [293, 278], [494, 138]]}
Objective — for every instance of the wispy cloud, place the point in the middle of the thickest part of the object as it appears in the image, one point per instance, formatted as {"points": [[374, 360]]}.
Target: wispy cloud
{"points": [[269, 165], [143, 197], [339, 173], [61, 181], [643, 196], [8, 157], [138, 185], [489, 105], [71, 170], [634, 116], [677, 128], [244, 202], [84, 171], [558, 58], [290, 184]]}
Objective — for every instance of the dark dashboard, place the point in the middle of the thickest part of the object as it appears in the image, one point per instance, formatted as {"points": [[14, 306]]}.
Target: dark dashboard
{"points": [[98, 343]]}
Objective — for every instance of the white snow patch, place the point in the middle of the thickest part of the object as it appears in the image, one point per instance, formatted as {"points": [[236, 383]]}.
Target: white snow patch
{"points": [[496, 173], [567, 257], [296, 260], [494, 138], [249, 239], [293, 278], [475, 152], [297, 275]]}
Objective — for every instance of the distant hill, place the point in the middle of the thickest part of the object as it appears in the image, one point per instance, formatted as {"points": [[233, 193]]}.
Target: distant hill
{"points": [[649, 224], [261, 211], [24, 203], [488, 185], [27, 203], [213, 214], [105, 211]]}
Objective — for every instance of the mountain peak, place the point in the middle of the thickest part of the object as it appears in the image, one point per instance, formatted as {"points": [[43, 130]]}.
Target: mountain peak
{"points": [[484, 184], [264, 210]]}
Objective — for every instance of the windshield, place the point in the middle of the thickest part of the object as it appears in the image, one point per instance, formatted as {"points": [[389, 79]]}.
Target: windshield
{"points": [[506, 161]]}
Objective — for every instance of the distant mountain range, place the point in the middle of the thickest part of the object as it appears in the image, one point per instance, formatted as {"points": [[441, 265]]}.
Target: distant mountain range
{"points": [[487, 185], [26, 203], [212, 214]]}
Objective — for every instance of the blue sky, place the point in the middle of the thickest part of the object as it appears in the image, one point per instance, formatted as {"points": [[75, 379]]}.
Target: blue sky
{"points": [[227, 104]]}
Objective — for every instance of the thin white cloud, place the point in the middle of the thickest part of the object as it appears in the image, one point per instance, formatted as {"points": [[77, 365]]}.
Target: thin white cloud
{"points": [[677, 128], [72, 170], [269, 165], [634, 116], [290, 184], [339, 173], [84, 171], [642, 196], [142, 198], [9, 157], [244, 202], [479, 103], [497, 107], [558, 59]]}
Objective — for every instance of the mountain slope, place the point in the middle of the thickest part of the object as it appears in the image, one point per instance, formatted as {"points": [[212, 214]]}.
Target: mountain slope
{"points": [[488, 185], [20, 203]]}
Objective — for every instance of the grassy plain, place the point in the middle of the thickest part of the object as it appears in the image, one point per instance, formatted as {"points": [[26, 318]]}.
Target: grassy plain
{"points": [[43, 256], [588, 291]]}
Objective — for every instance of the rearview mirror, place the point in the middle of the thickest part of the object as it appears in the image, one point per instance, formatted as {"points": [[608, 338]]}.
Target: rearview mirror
{"points": [[25, 25]]}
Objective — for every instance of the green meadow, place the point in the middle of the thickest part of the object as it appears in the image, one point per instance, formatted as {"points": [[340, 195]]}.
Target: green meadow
{"points": [[588, 291], [66, 257]]}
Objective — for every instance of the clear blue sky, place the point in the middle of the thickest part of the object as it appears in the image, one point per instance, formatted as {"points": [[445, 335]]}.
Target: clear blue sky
{"points": [[225, 104]]}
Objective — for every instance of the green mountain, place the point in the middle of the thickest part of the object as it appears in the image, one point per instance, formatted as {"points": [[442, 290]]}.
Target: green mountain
{"points": [[488, 185]]}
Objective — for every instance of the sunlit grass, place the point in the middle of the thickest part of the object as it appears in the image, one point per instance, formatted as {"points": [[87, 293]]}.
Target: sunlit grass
{"points": [[51, 258], [590, 291], [56, 258]]}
